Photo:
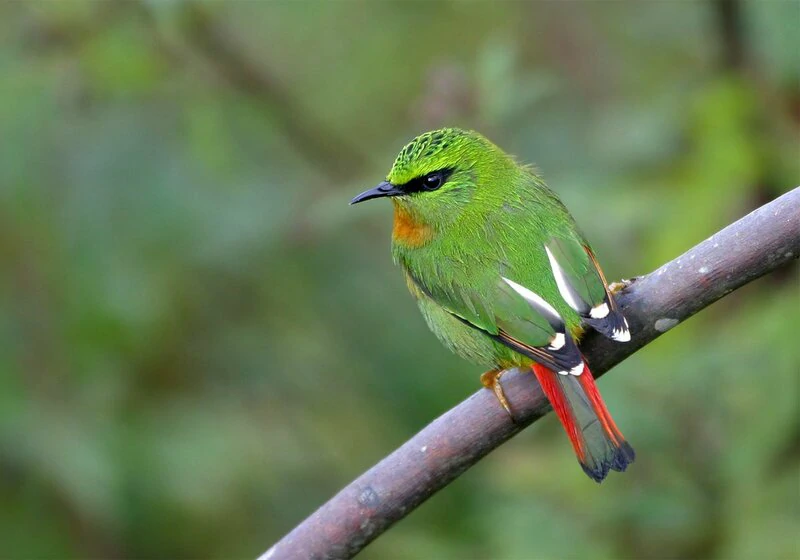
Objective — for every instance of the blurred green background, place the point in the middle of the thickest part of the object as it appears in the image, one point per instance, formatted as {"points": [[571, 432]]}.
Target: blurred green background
{"points": [[200, 341]]}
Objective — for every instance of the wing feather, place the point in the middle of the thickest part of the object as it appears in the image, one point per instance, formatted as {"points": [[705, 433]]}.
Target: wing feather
{"points": [[517, 318], [583, 286]]}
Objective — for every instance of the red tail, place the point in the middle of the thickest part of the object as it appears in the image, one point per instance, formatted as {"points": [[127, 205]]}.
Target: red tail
{"points": [[598, 442]]}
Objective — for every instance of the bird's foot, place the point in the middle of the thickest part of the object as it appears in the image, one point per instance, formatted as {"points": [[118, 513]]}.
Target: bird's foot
{"points": [[491, 380], [616, 287]]}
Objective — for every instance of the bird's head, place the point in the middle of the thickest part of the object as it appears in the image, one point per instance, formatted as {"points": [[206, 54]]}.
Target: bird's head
{"points": [[440, 173]]}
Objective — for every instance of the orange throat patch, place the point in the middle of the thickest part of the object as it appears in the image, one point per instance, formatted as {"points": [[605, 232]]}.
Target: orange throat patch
{"points": [[407, 230]]}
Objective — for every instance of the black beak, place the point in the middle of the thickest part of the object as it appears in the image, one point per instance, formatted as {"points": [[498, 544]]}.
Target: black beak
{"points": [[384, 189]]}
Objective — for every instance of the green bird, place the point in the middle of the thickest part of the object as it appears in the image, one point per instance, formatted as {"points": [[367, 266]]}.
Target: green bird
{"points": [[504, 277]]}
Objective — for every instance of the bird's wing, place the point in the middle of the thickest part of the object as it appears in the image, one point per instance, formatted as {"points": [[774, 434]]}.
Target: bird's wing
{"points": [[514, 316], [583, 286]]}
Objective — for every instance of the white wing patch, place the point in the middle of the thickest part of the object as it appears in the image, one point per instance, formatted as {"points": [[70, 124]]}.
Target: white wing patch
{"points": [[599, 311], [563, 285], [563, 352], [533, 298], [576, 371], [558, 341], [603, 317], [621, 334]]}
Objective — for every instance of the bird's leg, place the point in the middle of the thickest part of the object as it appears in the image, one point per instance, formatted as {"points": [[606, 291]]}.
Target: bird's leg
{"points": [[491, 380]]}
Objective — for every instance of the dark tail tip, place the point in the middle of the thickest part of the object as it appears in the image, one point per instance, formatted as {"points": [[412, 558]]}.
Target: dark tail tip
{"points": [[624, 456], [597, 473]]}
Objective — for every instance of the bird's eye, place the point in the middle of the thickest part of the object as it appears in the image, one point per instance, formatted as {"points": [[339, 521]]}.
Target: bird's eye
{"points": [[432, 181]]}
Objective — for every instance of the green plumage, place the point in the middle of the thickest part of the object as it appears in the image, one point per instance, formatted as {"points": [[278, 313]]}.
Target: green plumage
{"points": [[504, 278], [491, 219]]}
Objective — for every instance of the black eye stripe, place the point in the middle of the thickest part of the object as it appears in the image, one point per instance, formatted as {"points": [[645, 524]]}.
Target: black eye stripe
{"points": [[428, 182]]}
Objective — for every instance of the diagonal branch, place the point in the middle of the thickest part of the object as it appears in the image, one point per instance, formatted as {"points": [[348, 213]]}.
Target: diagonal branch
{"points": [[751, 247]]}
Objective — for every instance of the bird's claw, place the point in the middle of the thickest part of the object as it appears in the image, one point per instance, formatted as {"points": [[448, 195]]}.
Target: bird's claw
{"points": [[491, 380], [616, 287]]}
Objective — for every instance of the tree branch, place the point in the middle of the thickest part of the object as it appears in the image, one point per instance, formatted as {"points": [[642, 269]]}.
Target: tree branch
{"points": [[751, 247]]}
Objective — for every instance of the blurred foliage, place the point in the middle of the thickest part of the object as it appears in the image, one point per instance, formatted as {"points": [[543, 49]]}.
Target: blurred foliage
{"points": [[200, 342]]}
